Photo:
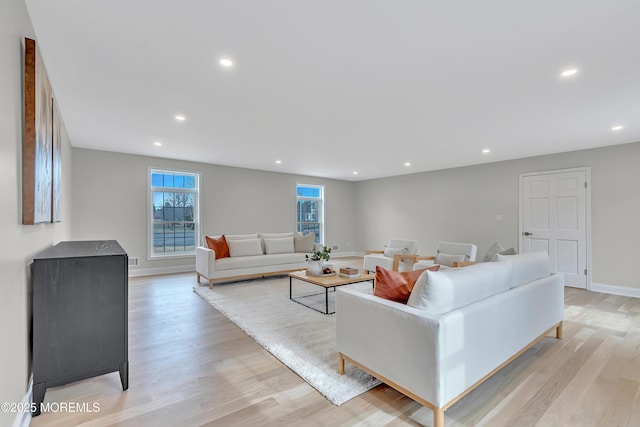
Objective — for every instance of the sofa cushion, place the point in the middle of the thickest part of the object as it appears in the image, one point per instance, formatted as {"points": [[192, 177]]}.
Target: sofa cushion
{"points": [[397, 286], [294, 260], [272, 236], [448, 260], [528, 266], [245, 247], [304, 242], [218, 245], [275, 235], [278, 246], [447, 290], [230, 237]]}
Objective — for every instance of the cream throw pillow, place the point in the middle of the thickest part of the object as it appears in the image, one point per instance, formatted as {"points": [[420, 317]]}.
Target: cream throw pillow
{"points": [[278, 246], [275, 235], [494, 250], [304, 242], [264, 236], [241, 236], [246, 247]]}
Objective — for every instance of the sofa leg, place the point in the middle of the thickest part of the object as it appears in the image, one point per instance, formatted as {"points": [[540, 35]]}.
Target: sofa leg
{"points": [[340, 364], [198, 276], [210, 283], [438, 417], [559, 331]]}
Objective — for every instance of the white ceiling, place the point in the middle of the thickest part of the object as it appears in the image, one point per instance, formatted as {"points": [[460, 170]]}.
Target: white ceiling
{"points": [[335, 86]]}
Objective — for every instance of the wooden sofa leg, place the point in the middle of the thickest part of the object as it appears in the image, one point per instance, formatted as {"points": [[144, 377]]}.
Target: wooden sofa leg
{"points": [[438, 417], [559, 331], [198, 275], [210, 283], [340, 364]]}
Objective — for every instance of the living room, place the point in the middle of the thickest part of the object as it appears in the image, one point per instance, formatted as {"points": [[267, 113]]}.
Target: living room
{"points": [[105, 193]]}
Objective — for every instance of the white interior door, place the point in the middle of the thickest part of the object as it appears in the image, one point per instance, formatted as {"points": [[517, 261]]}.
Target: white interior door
{"points": [[553, 217]]}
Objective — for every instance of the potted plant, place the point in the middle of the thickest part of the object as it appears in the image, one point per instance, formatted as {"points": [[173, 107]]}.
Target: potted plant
{"points": [[316, 259]]}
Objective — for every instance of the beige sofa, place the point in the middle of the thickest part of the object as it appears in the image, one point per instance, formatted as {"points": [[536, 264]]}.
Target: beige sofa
{"points": [[254, 255], [459, 327]]}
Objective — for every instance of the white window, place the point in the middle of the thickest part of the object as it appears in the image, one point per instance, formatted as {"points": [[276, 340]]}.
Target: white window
{"points": [[173, 211], [310, 210]]}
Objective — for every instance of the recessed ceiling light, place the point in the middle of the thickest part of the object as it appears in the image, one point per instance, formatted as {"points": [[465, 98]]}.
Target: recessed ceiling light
{"points": [[486, 151], [617, 127], [278, 162], [225, 62], [570, 72], [355, 172], [407, 164], [157, 144], [180, 118]]}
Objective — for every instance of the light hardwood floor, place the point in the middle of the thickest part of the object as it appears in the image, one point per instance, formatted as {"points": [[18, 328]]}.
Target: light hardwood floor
{"points": [[190, 366]]}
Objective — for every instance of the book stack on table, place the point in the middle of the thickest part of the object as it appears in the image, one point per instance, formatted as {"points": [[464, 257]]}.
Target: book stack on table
{"points": [[349, 272]]}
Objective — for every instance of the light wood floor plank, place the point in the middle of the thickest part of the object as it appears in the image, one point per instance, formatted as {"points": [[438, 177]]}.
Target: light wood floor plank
{"points": [[190, 366], [569, 400]]}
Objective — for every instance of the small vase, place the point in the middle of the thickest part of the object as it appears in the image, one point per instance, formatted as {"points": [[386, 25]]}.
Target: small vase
{"points": [[315, 268]]}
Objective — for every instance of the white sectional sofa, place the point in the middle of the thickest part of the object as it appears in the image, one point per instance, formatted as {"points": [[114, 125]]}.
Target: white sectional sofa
{"points": [[458, 328], [252, 255]]}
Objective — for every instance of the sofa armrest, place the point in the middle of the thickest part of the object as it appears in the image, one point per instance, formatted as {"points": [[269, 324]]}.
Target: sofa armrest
{"points": [[372, 330], [205, 262], [426, 258]]}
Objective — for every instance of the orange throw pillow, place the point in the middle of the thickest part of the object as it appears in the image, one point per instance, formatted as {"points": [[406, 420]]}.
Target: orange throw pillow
{"points": [[219, 246], [397, 286]]}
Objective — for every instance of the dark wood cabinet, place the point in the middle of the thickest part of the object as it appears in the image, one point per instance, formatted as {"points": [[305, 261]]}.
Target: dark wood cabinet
{"points": [[80, 324]]}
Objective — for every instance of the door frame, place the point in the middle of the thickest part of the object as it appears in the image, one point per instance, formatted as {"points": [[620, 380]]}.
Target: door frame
{"points": [[587, 170]]}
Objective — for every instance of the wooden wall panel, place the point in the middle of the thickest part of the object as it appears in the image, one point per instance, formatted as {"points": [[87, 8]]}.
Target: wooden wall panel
{"points": [[29, 142], [41, 163]]}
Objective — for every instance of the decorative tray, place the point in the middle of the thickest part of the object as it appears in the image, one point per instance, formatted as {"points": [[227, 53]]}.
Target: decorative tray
{"points": [[333, 273]]}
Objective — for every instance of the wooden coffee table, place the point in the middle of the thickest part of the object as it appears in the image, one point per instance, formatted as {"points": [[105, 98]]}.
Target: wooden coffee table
{"points": [[327, 282]]}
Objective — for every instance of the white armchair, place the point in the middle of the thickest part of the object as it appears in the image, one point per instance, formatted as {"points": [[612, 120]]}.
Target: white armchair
{"points": [[399, 255], [449, 255]]}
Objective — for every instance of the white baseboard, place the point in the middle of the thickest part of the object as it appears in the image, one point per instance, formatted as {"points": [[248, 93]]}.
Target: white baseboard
{"points": [[615, 290], [342, 254], [23, 419], [161, 270]]}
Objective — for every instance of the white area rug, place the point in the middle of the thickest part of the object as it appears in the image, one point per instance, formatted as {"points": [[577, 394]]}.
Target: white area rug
{"points": [[298, 336]]}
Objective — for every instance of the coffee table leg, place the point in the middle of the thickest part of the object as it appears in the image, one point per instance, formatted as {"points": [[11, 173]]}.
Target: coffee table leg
{"points": [[326, 300], [290, 292]]}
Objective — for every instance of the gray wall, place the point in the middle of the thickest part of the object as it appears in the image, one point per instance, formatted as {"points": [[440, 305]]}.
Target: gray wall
{"points": [[461, 205], [458, 204], [110, 201], [19, 242]]}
